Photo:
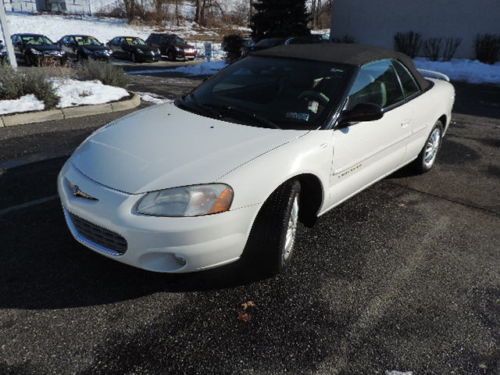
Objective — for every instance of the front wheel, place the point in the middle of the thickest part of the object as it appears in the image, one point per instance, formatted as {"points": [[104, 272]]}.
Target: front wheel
{"points": [[272, 239], [427, 157]]}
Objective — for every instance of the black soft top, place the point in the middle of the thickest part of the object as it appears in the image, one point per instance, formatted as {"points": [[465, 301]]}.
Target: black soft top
{"points": [[350, 54]]}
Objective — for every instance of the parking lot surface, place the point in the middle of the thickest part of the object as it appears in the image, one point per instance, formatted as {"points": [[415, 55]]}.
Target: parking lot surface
{"points": [[405, 276]]}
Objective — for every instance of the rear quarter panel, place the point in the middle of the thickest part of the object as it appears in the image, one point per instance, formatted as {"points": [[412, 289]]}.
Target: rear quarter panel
{"points": [[425, 110]]}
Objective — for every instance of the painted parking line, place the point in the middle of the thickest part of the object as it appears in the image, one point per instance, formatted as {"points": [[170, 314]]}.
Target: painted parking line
{"points": [[29, 204]]}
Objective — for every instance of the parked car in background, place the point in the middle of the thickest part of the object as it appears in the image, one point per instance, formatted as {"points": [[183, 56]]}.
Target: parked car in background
{"points": [[84, 47], [133, 49], [3, 52], [274, 42], [229, 170], [172, 46], [37, 49]]}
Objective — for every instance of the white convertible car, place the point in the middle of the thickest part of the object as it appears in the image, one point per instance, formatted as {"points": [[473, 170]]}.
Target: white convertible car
{"points": [[227, 172]]}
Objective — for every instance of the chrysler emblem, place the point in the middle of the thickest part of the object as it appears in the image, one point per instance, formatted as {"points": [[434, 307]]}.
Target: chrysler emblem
{"points": [[78, 193]]}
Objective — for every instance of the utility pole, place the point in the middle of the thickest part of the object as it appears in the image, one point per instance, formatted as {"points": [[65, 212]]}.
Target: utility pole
{"points": [[6, 36]]}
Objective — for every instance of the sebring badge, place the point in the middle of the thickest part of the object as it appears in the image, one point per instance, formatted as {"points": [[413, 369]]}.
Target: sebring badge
{"points": [[81, 194]]}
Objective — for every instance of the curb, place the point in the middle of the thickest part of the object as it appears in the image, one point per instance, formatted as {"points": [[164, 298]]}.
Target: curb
{"points": [[71, 112]]}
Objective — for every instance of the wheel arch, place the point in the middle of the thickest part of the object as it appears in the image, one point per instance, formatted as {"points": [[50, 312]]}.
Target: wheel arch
{"points": [[311, 196]]}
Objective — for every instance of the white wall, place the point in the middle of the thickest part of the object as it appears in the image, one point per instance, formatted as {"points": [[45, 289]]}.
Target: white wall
{"points": [[28, 6], [376, 21]]}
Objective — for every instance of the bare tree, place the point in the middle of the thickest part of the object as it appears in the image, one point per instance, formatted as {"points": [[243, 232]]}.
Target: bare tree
{"points": [[159, 6], [130, 9]]}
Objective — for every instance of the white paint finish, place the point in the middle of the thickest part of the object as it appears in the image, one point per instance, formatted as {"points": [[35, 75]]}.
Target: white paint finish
{"points": [[365, 151], [203, 241], [163, 147], [376, 22]]}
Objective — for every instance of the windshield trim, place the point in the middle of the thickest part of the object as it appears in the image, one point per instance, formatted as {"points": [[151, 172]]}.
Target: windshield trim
{"points": [[327, 119]]}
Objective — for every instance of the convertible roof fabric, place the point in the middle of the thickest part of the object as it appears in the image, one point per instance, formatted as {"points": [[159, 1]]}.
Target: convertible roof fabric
{"points": [[351, 54]]}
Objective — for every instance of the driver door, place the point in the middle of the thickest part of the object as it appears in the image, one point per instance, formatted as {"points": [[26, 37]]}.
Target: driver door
{"points": [[68, 45], [365, 152]]}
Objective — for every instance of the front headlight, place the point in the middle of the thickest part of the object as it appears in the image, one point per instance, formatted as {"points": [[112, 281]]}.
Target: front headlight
{"points": [[140, 51], [35, 51], [188, 201]]}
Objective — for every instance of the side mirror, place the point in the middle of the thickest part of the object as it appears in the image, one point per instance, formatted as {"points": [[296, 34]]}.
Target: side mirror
{"points": [[360, 113]]}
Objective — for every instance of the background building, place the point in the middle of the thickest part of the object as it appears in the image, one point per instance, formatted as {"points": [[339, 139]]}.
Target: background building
{"points": [[376, 22], [83, 7]]}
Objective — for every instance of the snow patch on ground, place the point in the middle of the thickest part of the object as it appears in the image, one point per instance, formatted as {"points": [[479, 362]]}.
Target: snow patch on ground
{"points": [[398, 372], [463, 70], [27, 103], [153, 98], [75, 93], [71, 92]]}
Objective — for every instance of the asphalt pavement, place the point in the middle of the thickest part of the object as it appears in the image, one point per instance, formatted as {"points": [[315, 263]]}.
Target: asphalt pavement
{"points": [[405, 276]]}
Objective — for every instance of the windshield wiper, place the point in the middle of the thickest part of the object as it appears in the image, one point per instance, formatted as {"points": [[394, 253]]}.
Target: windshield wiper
{"points": [[251, 115], [206, 110]]}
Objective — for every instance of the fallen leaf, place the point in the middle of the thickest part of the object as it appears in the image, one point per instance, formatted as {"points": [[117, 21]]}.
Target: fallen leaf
{"points": [[244, 317], [248, 304]]}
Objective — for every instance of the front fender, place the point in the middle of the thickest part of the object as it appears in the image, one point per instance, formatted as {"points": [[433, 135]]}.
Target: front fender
{"points": [[255, 181]]}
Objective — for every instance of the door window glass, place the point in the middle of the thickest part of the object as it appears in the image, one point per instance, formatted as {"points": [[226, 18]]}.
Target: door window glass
{"points": [[376, 83], [410, 87]]}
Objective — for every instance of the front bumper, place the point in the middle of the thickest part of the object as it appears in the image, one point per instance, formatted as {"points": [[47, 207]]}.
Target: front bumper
{"points": [[148, 58], [159, 244]]}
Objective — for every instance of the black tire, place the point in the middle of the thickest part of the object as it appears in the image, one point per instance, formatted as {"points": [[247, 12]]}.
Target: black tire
{"points": [[133, 57], [171, 55], [266, 246], [420, 165], [30, 60]]}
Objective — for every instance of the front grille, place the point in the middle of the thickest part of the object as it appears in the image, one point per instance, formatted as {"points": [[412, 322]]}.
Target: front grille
{"points": [[103, 237]]}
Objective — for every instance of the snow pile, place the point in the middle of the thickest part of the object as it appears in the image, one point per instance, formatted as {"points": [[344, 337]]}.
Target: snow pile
{"points": [[398, 372], [71, 92], [74, 93], [27, 103], [463, 70]]}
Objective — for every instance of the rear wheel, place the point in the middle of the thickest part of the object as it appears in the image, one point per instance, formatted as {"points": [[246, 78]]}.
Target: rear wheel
{"points": [[427, 157], [31, 60], [272, 239]]}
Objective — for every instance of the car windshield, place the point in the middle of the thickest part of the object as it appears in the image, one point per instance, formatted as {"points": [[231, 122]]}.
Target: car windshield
{"points": [[36, 40], [179, 41], [135, 41], [87, 41], [272, 92]]}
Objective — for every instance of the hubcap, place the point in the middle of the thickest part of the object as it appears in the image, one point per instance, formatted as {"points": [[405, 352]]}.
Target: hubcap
{"points": [[432, 147], [292, 229]]}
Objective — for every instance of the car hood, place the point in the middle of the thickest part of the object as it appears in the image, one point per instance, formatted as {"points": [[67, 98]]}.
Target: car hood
{"points": [[94, 48], [144, 49], [45, 47], [164, 146]]}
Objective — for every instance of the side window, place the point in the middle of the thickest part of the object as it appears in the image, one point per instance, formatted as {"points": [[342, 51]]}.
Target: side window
{"points": [[376, 83], [410, 86]]}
